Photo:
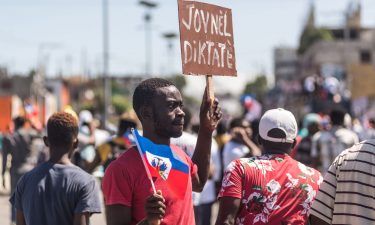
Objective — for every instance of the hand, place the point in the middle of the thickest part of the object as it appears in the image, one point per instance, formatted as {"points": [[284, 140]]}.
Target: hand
{"points": [[240, 134], [155, 208], [210, 113]]}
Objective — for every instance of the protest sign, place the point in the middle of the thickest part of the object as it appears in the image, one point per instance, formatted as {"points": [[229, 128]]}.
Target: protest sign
{"points": [[206, 34]]}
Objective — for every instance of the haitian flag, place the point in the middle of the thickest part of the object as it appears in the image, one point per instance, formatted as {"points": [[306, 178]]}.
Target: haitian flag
{"points": [[128, 138], [161, 161]]}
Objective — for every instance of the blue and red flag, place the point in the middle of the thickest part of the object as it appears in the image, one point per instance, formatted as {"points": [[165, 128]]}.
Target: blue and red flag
{"points": [[128, 138], [161, 161]]}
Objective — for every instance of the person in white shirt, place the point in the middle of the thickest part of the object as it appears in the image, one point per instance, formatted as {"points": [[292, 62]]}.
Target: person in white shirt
{"points": [[240, 144], [327, 144], [202, 201]]}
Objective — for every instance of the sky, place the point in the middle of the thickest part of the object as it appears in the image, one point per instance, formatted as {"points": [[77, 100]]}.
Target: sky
{"points": [[66, 35]]}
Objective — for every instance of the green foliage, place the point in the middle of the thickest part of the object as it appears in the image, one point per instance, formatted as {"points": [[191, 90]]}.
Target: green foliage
{"points": [[179, 81], [118, 88], [312, 35], [121, 104], [31, 73], [258, 87]]}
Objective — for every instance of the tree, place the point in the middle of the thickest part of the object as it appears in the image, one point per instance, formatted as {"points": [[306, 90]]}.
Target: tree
{"points": [[179, 81], [121, 104], [312, 35], [258, 87]]}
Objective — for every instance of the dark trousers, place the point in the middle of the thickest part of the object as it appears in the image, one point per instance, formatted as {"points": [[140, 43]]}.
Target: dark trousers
{"points": [[203, 214]]}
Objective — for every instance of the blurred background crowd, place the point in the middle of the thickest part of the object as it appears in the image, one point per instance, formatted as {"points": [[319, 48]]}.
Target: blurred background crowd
{"points": [[327, 82]]}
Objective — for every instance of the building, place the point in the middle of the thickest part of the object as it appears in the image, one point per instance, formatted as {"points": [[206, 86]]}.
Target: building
{"points": [[286, 69]]}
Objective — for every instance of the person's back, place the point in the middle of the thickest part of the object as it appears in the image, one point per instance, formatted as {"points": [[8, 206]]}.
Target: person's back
{"points": [[346, 195], [273, 188], [328, 144], [53, 193], [57, 192], [24, 155]]}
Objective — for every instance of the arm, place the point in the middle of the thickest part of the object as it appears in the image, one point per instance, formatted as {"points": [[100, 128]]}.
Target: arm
{"points": [[315, 149], [228, 209], [6, 151], [118, 215], [20, 218], [82, 219], [202, 153], [91, 166], [240, 134], [254, 150]]}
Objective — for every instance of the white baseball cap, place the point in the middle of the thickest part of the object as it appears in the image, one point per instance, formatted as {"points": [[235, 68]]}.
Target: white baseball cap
{"points": [[85, 116], [278, 119]]}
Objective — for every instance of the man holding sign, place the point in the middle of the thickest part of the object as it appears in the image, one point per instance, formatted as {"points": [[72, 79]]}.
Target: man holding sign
{"points": [[128, 191]]}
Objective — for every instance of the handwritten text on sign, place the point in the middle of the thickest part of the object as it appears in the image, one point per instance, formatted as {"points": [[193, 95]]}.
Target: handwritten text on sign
{"points": [[207, 46]]}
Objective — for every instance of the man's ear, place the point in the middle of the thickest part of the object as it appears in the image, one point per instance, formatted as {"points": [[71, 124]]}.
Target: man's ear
{"points": [[45, 140], [259, 139], [75, 143], [294, 143], [146, 113]]}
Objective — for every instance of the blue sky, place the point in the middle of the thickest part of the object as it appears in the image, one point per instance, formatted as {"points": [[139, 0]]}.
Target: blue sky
{"points": [[67, 34]]}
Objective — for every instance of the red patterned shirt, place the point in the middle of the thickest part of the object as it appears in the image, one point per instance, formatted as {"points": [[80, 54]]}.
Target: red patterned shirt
{"points": [[274, 189]]}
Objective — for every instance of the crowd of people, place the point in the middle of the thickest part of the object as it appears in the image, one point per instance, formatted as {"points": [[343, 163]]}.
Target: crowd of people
{"points": [[264, 171]]}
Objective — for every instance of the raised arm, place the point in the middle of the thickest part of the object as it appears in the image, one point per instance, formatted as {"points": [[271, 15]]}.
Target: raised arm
{"points": [[210, 115]]}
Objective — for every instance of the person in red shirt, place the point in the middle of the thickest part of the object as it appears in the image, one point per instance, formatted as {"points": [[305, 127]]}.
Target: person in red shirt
{"points": [[128, 192], [272, 188]]}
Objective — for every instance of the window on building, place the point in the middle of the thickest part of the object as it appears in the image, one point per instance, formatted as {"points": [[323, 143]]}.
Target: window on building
{"points": [[365, 56]]}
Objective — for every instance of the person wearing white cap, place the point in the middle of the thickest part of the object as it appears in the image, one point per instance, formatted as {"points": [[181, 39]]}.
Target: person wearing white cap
{"points": [[272, 188]]}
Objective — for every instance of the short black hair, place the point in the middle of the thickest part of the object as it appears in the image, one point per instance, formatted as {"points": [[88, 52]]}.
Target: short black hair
{"points": [[237, 122], [221, 128], [279, 146], [337, 115], [124, 125], [146, 90], [187, 118], [19, 122], [372, 121], [62, 129]]}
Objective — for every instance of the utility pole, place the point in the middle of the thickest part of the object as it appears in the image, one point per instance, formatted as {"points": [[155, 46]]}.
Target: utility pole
{"points": [[170, 36], [106, 77], [148, 34]]}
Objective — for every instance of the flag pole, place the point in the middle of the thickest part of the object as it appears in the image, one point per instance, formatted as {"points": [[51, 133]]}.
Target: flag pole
{"points": [[143, 161]]}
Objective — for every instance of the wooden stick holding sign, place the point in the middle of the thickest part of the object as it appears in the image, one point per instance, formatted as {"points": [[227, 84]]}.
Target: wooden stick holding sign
{"points": [[210, 88], [206, 38]]}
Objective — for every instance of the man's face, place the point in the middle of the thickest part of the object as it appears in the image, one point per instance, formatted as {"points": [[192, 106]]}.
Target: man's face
{"points": [[167, 111], [247, 127]]}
